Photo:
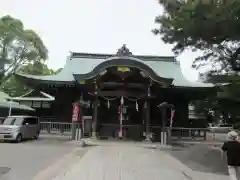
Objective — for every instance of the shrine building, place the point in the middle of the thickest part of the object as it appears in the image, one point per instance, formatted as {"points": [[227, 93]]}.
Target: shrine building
{"points": [[105, 81]]}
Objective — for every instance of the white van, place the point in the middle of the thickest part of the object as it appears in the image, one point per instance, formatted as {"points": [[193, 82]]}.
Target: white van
{"points": [[17, 128]]}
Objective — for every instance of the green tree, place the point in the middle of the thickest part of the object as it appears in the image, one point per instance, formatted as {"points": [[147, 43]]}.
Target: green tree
{"points": [[16, 88], [36, 68], [209, 26], [18, 47]]}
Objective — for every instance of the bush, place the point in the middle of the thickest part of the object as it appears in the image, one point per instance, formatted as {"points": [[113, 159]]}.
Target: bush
{"points": [[236, 126]]}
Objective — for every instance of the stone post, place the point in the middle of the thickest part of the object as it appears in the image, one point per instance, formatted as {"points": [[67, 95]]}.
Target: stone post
{"points": [[95, 118], [147, 123]]}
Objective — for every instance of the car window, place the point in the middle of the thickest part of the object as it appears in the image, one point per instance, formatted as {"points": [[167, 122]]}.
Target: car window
{"points": [[13, 121], [32, 120], [25, 121], [225, 125]]}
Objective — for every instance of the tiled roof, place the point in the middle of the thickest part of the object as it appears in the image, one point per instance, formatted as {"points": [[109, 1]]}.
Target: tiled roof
{"points": [[84, 65], [4, 103], [26, 97]]}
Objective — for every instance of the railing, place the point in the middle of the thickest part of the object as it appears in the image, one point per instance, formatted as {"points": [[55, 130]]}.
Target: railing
{"points": [[181, 132], [137, 132], [192, 133], [56, 128], [130, 131]]}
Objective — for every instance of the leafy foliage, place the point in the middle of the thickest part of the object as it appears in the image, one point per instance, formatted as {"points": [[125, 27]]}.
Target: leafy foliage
{"points": [[209, 26], [212, 27], [18, 47], [36, 68], [16, 88]]}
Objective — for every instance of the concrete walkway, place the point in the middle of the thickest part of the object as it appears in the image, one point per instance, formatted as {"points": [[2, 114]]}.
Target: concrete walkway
{"points": [[124, 162]]}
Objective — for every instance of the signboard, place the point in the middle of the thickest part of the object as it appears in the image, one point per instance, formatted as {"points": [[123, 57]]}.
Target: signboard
{"points": [[123, 69], [82, 82], [75, 113]]}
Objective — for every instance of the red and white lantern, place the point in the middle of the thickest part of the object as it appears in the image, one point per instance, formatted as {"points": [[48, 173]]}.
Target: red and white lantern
{"points": [[75, 113], [172, 116]]}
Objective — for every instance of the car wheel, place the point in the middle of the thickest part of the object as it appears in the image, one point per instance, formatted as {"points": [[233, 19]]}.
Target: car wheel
{"points": [[18, 138]]}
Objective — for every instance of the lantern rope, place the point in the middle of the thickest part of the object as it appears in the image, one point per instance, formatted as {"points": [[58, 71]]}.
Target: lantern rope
{"points": [[111, 99]]}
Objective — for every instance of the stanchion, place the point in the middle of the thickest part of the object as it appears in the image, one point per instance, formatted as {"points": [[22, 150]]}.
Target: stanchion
{"points": [[163, 138], [78, 136], [213, 136]]}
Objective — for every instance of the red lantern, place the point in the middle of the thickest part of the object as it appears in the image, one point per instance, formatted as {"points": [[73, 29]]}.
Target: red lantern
{"points": [[75, 113], [172, 116]]}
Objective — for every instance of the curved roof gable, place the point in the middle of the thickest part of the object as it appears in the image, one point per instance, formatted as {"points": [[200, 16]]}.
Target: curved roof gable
{"points": [[123, 61]]}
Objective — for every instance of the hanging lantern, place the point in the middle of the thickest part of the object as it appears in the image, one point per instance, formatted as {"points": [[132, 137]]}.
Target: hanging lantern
{"points": [[136, 106], [108, 104], [172, 116]]}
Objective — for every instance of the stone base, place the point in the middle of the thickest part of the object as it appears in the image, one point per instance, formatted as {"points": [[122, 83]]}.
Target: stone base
{"points": [[163, 146], [94, 135], [147, 140], [148, 136], [82, 143], [163, 138]]}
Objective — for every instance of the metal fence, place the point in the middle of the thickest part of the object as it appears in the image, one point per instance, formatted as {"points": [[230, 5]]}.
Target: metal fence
{"points": [[180, 133], [190, 133], [131, 131], [137, 131], [56, 128]]}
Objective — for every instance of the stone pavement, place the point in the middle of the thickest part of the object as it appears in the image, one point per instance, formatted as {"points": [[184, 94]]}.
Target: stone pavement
{"points": [[125, 162], [62, 165]]}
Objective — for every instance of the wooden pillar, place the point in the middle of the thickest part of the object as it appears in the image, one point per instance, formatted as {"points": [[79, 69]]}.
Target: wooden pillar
{"points": [[148, 116], [95, 113]]}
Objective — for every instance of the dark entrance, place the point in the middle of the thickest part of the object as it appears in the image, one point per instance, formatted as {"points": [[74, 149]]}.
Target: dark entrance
{"points": [[130, 85], [132, 118]]}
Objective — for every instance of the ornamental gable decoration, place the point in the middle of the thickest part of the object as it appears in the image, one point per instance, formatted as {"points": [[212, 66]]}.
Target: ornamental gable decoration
{"points": [[123, 51]]}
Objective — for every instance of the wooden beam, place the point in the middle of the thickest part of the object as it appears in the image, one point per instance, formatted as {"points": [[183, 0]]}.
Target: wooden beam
{"points": [[120, 84]]}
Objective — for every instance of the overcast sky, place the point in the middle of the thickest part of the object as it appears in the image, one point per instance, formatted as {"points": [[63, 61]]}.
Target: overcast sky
{"points": [[97, 26]]}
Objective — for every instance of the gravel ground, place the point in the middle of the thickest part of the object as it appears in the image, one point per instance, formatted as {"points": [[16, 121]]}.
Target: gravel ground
{"points": [[202, 158], [23, 161]]}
